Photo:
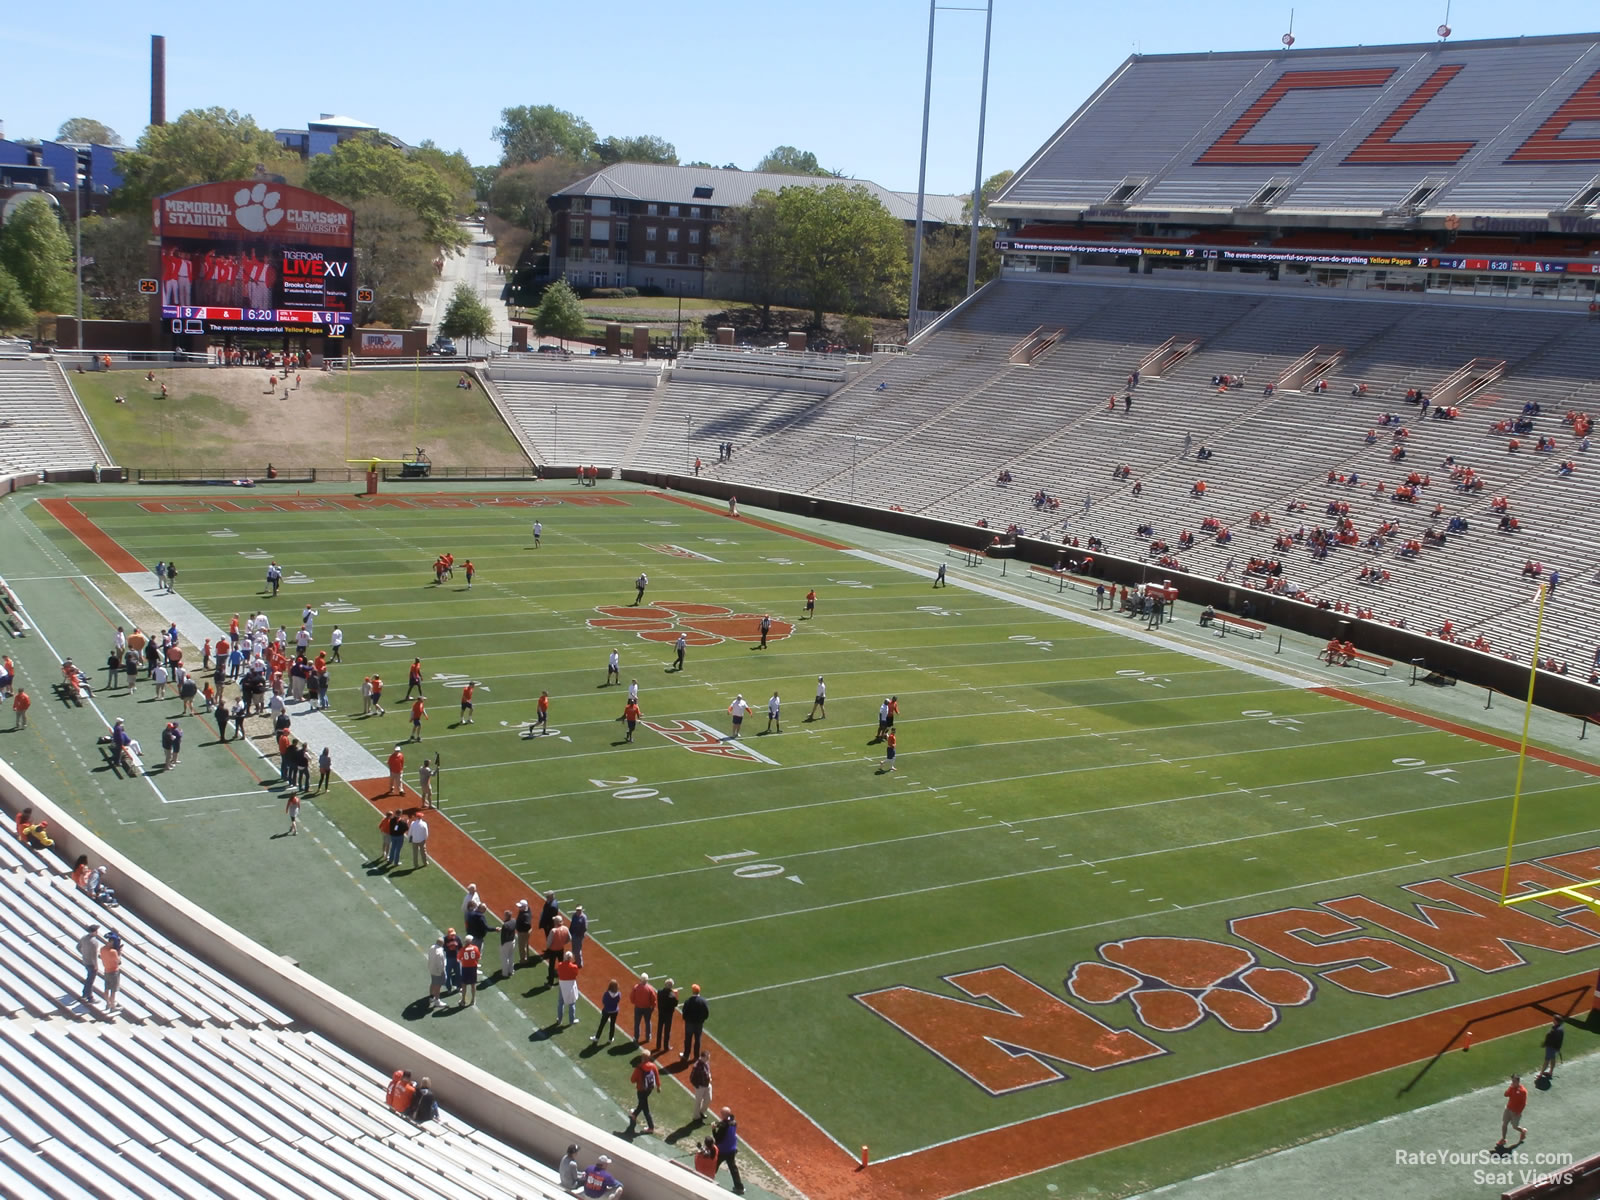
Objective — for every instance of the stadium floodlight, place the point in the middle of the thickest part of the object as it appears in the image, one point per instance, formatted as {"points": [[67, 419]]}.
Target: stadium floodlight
{"points": [[922, 166]]}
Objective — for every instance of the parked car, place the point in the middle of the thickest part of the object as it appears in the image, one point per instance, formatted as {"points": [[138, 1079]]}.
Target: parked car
{"points": [[441, 348]]}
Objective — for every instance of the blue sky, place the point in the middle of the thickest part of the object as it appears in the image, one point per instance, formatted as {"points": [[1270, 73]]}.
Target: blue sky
{"points": [[724, 83]]}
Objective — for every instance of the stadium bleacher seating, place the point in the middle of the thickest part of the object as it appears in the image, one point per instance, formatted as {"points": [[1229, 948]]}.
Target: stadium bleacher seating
{"points": [[42, 426], [956, 411], [195, 1088]]}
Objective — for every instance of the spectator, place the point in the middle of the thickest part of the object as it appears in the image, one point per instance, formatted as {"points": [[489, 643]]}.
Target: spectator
{"points": [[111, 968], [644, 1008], [424, 1106], [570, 1173], [400, 1092], [700, 1080], [610, 1005], [436, 972], [695, 1014], [599, 1183], [89, 952], [726, 1135]]}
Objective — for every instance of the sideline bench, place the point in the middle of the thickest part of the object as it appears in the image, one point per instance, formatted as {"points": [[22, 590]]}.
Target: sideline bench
{"points": [[973, 557], [1240, 625], [1063, 579], [1360, 658], [11, 611]]}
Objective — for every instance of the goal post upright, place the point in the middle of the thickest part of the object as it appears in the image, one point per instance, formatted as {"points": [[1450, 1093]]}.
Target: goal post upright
{"points": [[1522, 757]]}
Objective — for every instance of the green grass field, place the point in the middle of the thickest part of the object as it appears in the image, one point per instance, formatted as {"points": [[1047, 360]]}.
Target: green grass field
{"points": [[1061, 787], [215, 419]]}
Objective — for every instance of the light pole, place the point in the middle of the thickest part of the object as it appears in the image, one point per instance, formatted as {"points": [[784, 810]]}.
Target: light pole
{"points": [[77, 246]]}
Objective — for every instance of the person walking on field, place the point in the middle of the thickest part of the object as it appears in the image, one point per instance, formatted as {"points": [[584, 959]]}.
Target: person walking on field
{"points": [[508, 944], [613, 669], [466, 703], [939, 580], [397, 766], [567, 994], [644, 1008], [538, 532], [425, 783], [1553, 1039], [1516, 1101], [20, 703], [820, 704], [726, 1134], [766, 628], [292, 807], [774, 712], [418, 835], [696, 1012], [641, 583], [419, 714], [646, 1079], [630, 714], [666, 1009], [889, 741], [471, 571], [336, 643], [542, 718], [471, 955], [737, 710], [610, 1006], [811, 605], [414, 679], [700, 1080], [679, 646], [324, 768]]}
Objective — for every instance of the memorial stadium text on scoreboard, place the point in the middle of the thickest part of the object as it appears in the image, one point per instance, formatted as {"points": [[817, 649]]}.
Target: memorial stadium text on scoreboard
{"points": [[255, 256]]}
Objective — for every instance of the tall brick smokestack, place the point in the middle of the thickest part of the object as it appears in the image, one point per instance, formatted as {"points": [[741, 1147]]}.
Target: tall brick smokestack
{"points": [[158, 79]]}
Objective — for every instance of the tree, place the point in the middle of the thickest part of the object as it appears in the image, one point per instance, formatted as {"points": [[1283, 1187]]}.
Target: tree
{"points": [[530, 132], [844, 250], [646, 148], [560, 313], [87, 129], [37, 253], [944, 264], [201, 146], [455, 170], [753, 244], [990, 189], [15, 311], [521, 194], [116, 253], [467, 317], [394, 258], [786, 160], [362, 168]]}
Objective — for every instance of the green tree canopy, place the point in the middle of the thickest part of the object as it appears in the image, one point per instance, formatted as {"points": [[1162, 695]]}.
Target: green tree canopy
{"points": [[454, 168], [753, 244], [530, 132], [520, 194], [87, 129], [201, 146], [944, 264], [36, 251], [560, 313], [990, 189], [393, 257], [467, 316], [646, 148], [786, 160], [362, 168], [15, 311], [844, 251], [116, 251]]}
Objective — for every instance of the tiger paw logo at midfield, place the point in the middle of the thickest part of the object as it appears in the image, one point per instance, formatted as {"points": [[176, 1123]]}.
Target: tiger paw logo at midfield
{"points": [[256, 208], [700, 624], [1175, 983]]}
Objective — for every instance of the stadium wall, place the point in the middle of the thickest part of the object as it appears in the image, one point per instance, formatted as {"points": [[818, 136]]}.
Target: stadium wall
{"points": [[474, 1095], [1559, 693]]}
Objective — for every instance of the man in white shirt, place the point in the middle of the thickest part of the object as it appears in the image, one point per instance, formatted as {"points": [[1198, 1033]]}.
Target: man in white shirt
{"points": [[821, 702], [613, 669], [738, 709], [418, 834], [633, 691], [335, 642], [773, 710]]}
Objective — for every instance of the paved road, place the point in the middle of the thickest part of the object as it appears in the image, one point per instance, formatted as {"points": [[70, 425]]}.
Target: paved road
{"points": [[474, 266]]}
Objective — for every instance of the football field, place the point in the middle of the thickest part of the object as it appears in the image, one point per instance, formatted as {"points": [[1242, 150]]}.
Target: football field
{"points": [[1120, 883]]}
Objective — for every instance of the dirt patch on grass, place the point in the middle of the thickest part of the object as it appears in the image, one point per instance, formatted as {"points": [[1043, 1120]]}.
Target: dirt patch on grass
{"points": [[230, 420]]}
